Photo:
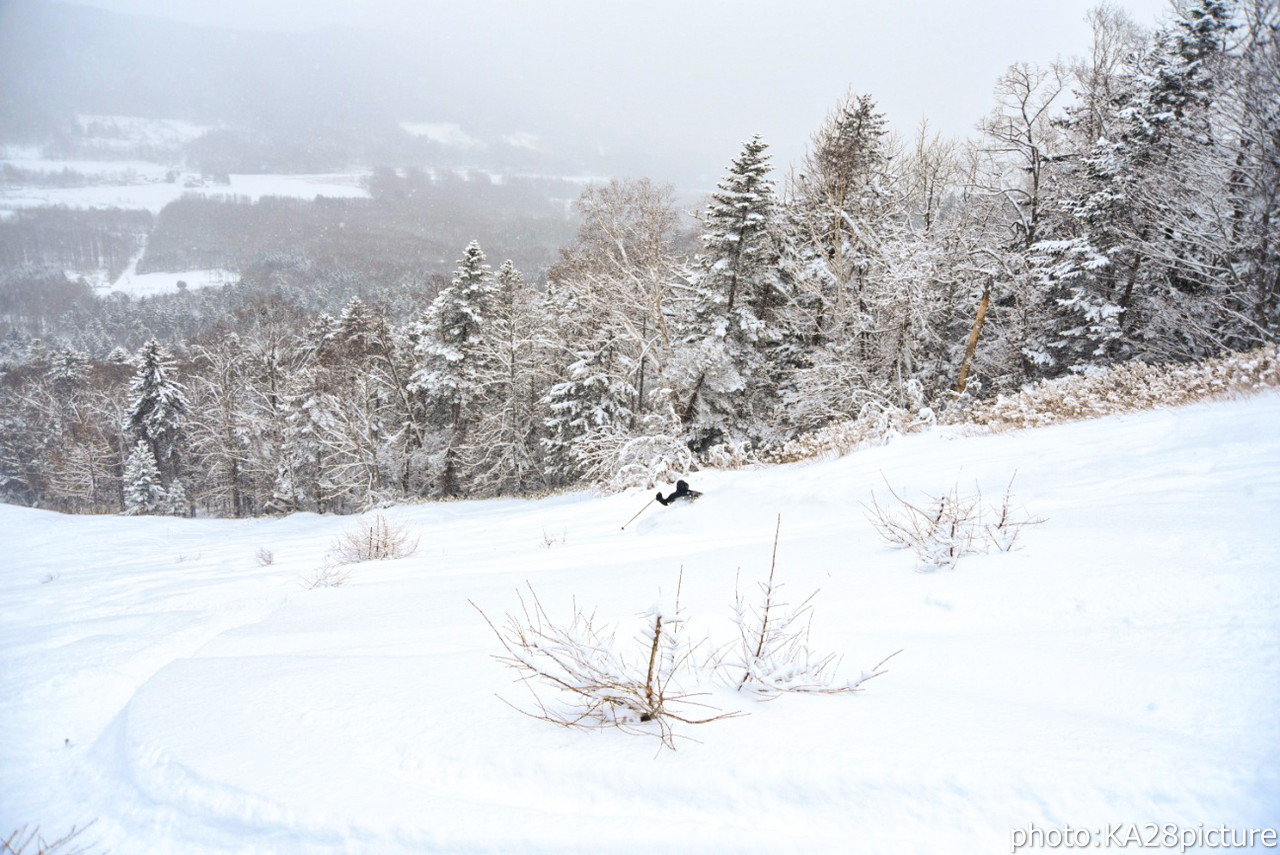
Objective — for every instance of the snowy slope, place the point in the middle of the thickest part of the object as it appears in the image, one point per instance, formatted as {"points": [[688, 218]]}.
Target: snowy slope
{"points": [[1122, 667]]}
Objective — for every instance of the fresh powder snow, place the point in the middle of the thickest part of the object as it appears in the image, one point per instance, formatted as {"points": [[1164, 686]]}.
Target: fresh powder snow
{"points": [[174, 682]]}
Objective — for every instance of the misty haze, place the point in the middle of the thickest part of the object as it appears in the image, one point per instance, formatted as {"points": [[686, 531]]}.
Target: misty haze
{"points": [[325, 325]]}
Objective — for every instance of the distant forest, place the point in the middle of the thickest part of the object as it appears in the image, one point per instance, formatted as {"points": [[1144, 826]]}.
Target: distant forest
{"points": [[1119, 208], [389, 249]]}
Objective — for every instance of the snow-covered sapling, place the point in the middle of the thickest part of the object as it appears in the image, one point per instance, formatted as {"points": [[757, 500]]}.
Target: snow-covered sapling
{"points": [[596, 681], [374, 540], [772, 653], [327, 575], [943, 528]]}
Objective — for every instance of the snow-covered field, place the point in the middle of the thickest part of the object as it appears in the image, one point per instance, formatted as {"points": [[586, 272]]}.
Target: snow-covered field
{"points": [[143, 185], [138, 190], [1123, 667], [146, 284]]}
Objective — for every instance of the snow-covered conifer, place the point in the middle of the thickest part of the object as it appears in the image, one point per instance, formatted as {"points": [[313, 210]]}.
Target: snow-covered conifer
{"points": [[144, 492], [735, 284], [451, 356], [158, 407], [1129, 276], [594, 400]]}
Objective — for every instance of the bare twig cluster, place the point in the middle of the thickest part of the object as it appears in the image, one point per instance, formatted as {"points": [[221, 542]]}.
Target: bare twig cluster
{"points": [[30, 842], [648, 686], [599, 683], [549, 540], [327, 575], [772, 654], [374, 540], [945, 527]]}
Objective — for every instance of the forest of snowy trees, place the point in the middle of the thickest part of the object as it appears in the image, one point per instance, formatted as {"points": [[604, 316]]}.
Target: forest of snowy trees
{"points": [[1122, 207]]}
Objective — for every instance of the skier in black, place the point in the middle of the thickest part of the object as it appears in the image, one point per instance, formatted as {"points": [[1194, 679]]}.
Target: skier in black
{"points": [[682, 492]]}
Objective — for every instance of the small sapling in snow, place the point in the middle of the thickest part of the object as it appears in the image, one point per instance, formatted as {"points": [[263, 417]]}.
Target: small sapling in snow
{"points": [[374, 540], [944, 528], [772, 654], [598, 682]]}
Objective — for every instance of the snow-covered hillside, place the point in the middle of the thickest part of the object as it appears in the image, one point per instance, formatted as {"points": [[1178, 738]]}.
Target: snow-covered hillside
{"points": [[1122, 667]]}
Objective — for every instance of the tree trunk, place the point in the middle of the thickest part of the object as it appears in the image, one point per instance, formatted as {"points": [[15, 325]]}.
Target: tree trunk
{"points": [[972, 346]]}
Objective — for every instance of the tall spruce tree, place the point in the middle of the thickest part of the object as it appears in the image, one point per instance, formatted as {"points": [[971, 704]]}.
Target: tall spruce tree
{"points": [[736, 290], [158, 408], [451, 359]]}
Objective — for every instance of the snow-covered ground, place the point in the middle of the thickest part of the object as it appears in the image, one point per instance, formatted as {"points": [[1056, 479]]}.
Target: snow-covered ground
{"points": [[139, 190], [136, 284], [147, 284], [1123, 667]]}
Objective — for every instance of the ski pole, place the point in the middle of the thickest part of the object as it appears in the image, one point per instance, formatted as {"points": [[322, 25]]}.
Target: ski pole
{"points": [[642, 510]]}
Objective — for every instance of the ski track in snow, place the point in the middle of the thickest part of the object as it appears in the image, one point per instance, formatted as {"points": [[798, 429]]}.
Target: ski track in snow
{"points": [[1123, 666]]}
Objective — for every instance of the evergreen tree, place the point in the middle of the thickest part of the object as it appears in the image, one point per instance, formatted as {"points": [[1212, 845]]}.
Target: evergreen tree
{"points": [[144, 491], [834, 216], [736, 290], [158, 407], [451, 357], [1126, 280], [594, 404]]}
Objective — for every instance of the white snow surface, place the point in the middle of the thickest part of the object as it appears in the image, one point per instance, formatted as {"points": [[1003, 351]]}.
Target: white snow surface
{"points": [[142, 187], [1122, 667], [137, 284]]}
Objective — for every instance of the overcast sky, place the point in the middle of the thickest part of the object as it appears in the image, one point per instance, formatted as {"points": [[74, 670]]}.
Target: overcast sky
{"points": [[706, 74]]}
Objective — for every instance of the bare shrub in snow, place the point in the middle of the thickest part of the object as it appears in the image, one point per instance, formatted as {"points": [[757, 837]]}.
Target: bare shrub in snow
{"points": [[943, 528], [876, 424], [580, 676], [374, 540], [1123, 388], [1003, 531], [24, 842], [265, 557], [772, 654], [328, 575], [598, 683]]}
